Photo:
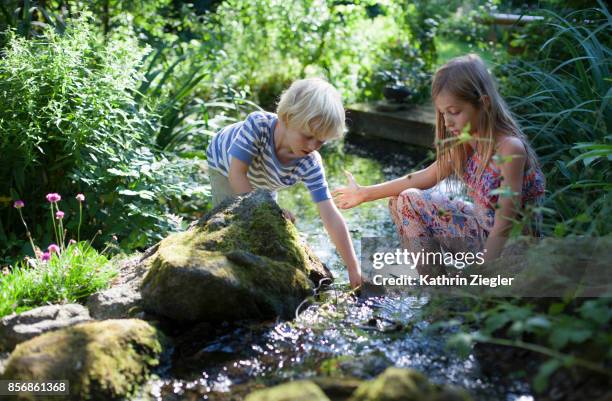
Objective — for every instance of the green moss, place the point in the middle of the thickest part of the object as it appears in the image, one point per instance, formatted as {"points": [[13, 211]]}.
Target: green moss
{"points": [[302, 390], [264, 233], [395, 384], [103, 360], [259, 285], [245, 261]]}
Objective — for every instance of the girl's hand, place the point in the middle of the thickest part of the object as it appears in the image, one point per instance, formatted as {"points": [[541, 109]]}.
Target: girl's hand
{"points": [[350, 196]]}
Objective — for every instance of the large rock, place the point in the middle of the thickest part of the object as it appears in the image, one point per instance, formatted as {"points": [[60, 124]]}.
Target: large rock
{"points": [[303, 390], [119, 302], [106, 360], [16, 328], [243, 260], [396, 384], [123, 300]]}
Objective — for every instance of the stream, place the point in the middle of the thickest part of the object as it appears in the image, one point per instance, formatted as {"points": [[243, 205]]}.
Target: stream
{"points": [[344, 335]]}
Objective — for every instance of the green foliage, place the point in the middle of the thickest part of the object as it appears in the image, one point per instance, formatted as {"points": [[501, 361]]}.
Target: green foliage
{"points": [[30, 18], [176, 83], [569, 334], [70, 277], [342, 41], [403, 66], [69, 123], [561, 95]]}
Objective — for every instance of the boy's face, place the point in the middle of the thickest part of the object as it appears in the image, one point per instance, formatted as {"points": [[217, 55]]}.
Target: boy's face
{"points": [[300, 142]]}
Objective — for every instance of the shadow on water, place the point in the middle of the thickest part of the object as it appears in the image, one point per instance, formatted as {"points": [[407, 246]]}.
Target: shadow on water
{"points": [[338, 334]]}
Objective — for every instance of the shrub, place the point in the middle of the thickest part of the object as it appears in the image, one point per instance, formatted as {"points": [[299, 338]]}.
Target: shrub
{"points": [[69, 123], [560, 93], [341, 41]]}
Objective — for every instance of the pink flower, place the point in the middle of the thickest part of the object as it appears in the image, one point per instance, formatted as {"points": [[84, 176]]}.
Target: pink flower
{"points": [[80, 197], [54, 197], [71, 242], [45, 256], [18, 204], [59, 215], [53, 249]]}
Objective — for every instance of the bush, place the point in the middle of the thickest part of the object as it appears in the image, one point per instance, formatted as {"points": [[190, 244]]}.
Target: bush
{"points": [[560, 93], [69, 123], [342, 41]]}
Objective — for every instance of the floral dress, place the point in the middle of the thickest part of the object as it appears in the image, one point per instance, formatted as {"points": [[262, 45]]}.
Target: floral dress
{"points": [[426, 219]]}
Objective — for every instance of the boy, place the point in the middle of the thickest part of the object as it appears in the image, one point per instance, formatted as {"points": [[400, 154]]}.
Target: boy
{"points": [[274, 151]]}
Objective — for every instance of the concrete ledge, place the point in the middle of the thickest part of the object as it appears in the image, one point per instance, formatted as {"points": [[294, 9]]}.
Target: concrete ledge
{"points": [[403, 123]]}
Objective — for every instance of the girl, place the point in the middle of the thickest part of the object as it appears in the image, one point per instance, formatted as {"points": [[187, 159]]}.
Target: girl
{"points": [[477, 142]]}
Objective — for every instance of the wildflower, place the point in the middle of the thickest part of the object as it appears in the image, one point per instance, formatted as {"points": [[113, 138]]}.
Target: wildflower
{"points": [[18, 204], [115, 238], [45, 256], [59, 215], [71, 242], [53, 249], [54, 197], [80, 197]]}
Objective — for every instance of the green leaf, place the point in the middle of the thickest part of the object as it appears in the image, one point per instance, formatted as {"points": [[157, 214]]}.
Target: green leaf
{"points": [[556, 308], [144, 194], [537, 322], [596, 310], [540, 381]]}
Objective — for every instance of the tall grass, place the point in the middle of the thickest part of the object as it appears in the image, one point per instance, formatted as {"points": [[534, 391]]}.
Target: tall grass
{"points": [[70, 277], [561, 96]]}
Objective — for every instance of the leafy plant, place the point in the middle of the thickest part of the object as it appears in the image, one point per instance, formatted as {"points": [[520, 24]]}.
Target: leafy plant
{"points": [[341, 41], [561, 96], [69, 276], [402, 66], [70, 122]]}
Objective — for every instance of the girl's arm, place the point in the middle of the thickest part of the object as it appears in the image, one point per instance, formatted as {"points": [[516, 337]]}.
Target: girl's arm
{"points": [[237, 176], [354, 194], [513, 155], [339, 234]]}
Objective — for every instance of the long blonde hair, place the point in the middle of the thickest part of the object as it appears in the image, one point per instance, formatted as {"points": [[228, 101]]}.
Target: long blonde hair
{"points": [[467, 79]]}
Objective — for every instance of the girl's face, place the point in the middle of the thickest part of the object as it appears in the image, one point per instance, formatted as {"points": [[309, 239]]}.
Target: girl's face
{"points": [[457, 113]]}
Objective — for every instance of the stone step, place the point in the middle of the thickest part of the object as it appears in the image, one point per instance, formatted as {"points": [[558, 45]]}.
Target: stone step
{"points": [[413, 124]]}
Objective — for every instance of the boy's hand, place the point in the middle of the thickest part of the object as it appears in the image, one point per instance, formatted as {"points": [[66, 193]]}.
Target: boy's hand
{"points": [[354, 279], [350, 196], [288, 215]]}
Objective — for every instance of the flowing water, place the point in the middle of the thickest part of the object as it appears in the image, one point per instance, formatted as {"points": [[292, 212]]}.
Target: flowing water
{"points": [[344, 335]]}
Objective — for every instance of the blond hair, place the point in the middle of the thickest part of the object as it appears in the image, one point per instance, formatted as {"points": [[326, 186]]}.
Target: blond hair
{"points": [[313, 105], [467, 79]]}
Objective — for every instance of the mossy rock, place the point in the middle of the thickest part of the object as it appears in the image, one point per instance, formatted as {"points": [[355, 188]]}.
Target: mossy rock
{"points": [[104, 360], [302, 390], [243, 260], [396, 384]]}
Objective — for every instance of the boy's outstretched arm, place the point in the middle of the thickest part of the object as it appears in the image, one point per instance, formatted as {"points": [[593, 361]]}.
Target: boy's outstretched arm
{"points": [[237, 176], [338, 231]]}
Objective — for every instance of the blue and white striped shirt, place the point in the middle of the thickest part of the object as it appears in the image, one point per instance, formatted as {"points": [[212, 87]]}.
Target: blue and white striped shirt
{"points": [[252, 141]]}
